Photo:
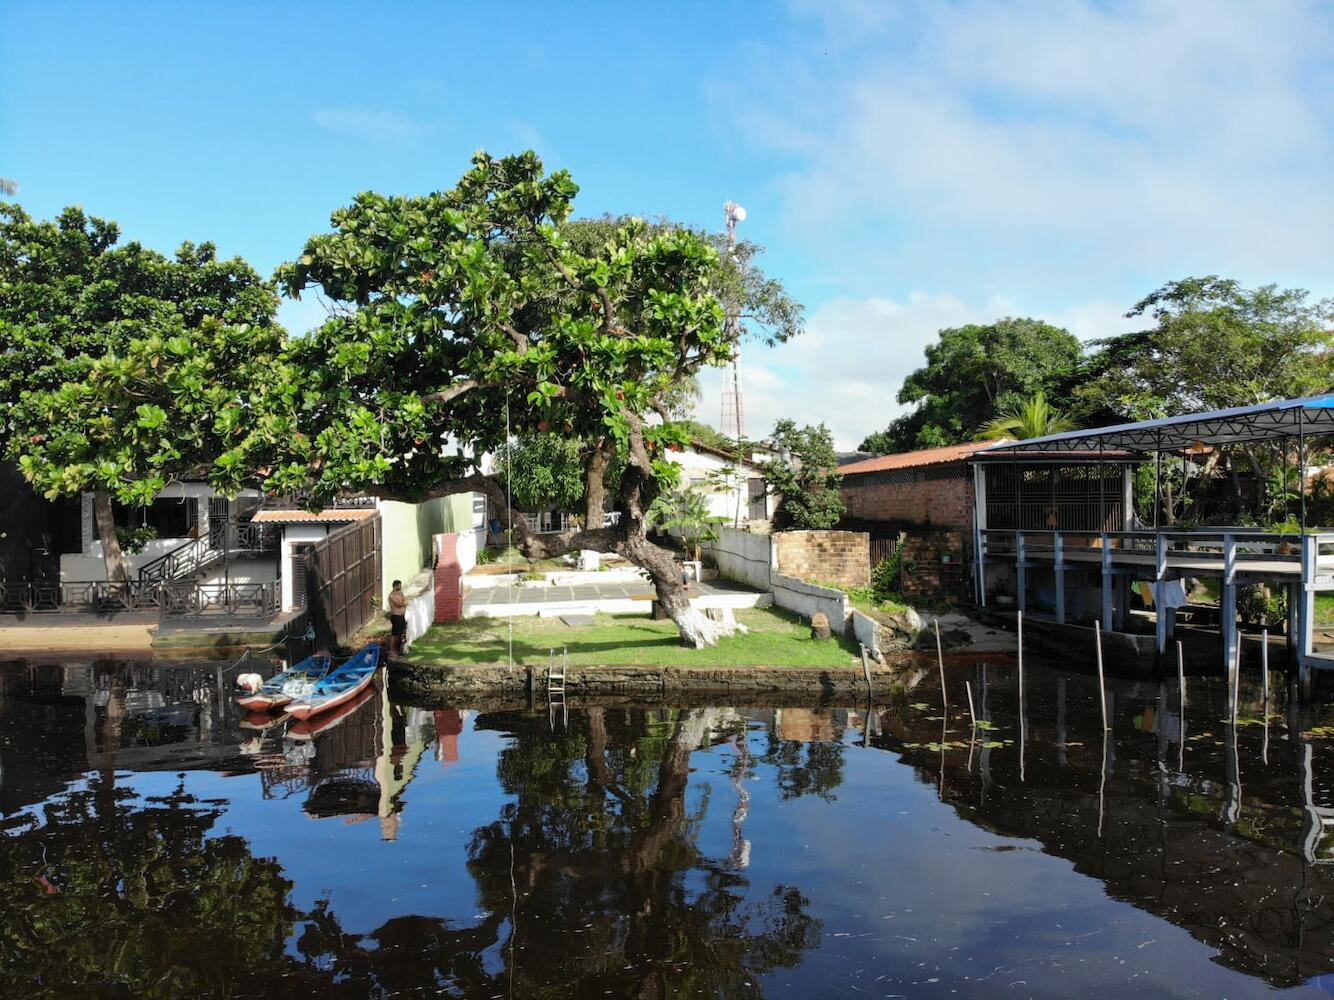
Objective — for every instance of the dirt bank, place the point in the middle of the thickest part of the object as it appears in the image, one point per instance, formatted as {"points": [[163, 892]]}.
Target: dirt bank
{"points": [[89, 639]]}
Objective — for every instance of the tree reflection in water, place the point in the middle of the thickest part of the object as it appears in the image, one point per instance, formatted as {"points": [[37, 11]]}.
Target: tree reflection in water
{"points": [[110, 894], [590, 881]]}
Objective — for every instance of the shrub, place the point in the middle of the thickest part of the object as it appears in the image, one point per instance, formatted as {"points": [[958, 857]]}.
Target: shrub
{"points": [[887, 578]]}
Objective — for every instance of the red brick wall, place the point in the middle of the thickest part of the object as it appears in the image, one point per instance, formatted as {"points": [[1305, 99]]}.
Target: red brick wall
{"points": [[842, 557], [942, 503], [926, 576], [448, 579]]}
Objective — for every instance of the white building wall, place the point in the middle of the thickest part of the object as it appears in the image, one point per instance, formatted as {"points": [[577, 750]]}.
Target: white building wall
{"points": [[294, 535], [90, 563], [733, 501]]}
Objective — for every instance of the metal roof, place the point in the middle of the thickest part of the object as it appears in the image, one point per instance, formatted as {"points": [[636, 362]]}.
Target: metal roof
{"points": [[1281, 418]]}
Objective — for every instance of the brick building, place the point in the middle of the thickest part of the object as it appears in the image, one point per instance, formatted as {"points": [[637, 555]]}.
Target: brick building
{"points": [[931, 488], [938, 501]]}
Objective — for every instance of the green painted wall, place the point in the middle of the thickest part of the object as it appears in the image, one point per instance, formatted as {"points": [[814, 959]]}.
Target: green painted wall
{"points": [[407, 530]]}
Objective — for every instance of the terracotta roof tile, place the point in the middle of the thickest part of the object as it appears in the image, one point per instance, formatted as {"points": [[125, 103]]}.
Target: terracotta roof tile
{"points": [[337, 515], [915, 459]]}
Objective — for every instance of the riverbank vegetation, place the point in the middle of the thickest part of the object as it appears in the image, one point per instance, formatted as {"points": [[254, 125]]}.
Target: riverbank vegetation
{"points": [[774, 639]]}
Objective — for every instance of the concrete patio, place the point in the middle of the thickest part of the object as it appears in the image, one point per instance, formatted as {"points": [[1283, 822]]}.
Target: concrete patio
{"points": [[596, 596]]}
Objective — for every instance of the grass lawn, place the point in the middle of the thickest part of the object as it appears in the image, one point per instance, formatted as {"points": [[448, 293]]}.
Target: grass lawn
{"points": [[775, 639], [1324, 609]]}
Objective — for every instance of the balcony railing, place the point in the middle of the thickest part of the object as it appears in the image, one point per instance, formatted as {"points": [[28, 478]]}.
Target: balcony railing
{"points": [[171, 599]]}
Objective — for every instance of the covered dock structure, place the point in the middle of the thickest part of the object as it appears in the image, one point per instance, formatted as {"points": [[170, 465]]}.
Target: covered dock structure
{"points": [[1298, 560]]}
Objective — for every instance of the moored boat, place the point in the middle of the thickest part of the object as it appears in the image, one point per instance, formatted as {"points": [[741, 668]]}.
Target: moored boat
{"points": [[280, 689], [317, 725], [340, 685]]}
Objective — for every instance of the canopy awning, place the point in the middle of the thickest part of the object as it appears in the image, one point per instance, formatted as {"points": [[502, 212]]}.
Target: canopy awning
{"points": [[1282, 418]]}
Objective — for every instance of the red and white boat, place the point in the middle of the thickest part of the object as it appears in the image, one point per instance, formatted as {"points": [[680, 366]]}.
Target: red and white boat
{"points": [[339, 686]]}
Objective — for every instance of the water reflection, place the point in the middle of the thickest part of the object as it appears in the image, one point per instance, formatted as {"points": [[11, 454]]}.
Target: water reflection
{"points": [[1217, 821], [156, 841]]}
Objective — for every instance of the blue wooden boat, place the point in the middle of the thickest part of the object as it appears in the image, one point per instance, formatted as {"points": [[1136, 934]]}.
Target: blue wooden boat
{"points": [[340, 685], [281, 689]]}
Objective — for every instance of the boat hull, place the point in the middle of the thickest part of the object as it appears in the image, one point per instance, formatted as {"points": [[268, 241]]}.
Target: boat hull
{"points": [[322, 722], [264, 702], [302, 710]]}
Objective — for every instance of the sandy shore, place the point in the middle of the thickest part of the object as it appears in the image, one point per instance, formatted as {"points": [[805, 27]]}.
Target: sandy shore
{"points": [[76, 639]]}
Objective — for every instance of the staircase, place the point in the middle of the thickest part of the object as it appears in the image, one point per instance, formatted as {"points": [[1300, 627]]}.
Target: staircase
{"points": [[199, 555], [195, 556]]}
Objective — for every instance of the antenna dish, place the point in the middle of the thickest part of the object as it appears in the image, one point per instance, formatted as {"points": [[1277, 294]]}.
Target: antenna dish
{"points": [[740, 214]]}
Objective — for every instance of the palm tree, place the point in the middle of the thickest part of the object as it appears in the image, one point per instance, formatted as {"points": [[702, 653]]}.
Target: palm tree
{"points": [[1027, 418]]}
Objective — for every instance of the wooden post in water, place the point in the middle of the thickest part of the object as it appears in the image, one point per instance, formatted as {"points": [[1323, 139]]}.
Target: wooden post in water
{"points": [[1181, 676], [972, 716], [1023, 726], [1021, 657], [866, 672], [940, 658], [1102, 693], [1264, 665]]}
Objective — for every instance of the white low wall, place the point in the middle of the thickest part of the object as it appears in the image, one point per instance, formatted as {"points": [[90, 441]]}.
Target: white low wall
{"points": [[245, 571], [467, 550], [420, 591], [743, 556], [806, 599], [863, 628]]}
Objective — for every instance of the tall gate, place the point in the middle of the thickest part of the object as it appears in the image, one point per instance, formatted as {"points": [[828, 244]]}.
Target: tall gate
{"points": [[343, 581]]}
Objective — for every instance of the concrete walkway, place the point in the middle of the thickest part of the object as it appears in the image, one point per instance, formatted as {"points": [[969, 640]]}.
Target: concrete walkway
{"points": [[613, 597]]}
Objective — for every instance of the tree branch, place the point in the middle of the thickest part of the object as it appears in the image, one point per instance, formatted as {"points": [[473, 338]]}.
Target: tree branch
{"points": [[453, 392]]}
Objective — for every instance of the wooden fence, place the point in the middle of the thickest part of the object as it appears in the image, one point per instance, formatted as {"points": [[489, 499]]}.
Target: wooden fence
{"points": [[343, 581], [882, 549]]}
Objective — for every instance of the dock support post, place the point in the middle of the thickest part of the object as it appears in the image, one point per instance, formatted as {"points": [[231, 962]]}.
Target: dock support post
{"points": [[1106, 585], [1021, 566], [1228, 606], [1294, 620], [1164, 618], [1122, 609], [1058, 546], [1160, 616], [1306, 629]]}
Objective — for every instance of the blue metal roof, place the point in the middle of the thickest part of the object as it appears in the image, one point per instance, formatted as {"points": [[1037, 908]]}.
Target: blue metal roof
{"points": [[1281, 418]]}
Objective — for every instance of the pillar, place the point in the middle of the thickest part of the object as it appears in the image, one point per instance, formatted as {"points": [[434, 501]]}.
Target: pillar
{"points": [[1228, 607], [1106, 586], [1021, 576], [1059, 567], [448, 579]]}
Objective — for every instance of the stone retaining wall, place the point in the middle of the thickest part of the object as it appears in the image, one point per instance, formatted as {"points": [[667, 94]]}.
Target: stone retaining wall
{"points": [[658, 683]]}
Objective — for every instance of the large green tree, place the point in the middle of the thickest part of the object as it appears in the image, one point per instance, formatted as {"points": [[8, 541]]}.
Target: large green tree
{"points": [[73, 297], [970, 374], [468, 315], [805, 478], [1213, 345]]}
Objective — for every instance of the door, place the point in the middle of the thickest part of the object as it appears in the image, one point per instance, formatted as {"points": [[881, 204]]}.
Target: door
{"points": [[759, 501]]}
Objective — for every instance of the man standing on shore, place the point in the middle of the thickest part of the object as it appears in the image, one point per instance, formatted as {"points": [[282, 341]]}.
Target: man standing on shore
{"points": [[398, 620]]}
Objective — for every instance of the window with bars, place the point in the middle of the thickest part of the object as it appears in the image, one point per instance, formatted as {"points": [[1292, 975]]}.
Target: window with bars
{"points": [[1050, 497]]}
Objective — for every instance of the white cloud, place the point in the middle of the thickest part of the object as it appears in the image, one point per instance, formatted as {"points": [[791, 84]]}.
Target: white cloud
{"points": [[365, 122], [1074, 146], [1045, 159], [846, 370]]}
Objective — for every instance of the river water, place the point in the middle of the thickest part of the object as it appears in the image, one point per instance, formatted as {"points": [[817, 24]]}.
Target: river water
{"points": [[156, 843]]}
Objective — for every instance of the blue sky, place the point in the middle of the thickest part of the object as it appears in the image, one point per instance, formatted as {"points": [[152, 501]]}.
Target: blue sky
{"points": [[908, 166]]}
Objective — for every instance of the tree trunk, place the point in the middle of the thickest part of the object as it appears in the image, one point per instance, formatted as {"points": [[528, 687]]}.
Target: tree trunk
{"points": [[696, 629], [117, 564]]}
